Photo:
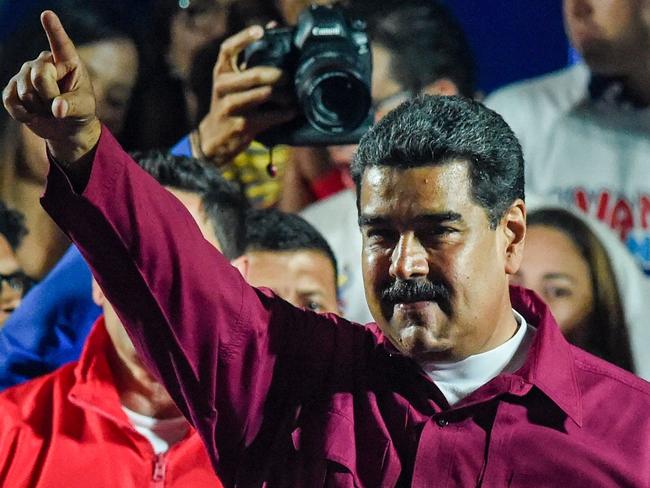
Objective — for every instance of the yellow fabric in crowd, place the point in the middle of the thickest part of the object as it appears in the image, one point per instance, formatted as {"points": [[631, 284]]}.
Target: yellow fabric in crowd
{"points": [[249, 170]]}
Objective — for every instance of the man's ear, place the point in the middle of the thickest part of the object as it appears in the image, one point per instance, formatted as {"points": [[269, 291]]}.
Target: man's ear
{"points": [[442, 86], [98, 295], [241, 263], [513, 225]]}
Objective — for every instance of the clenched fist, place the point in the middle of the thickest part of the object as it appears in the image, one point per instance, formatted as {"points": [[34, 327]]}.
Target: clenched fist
{"points": [[54, 97]]}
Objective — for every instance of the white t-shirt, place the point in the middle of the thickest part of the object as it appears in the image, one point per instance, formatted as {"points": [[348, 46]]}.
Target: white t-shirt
{"points": [[161, 433], [456, 380]]}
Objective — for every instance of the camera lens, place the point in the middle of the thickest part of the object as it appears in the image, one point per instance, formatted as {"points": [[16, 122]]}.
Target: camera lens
{"points": [[334, 100], [337, 102]]}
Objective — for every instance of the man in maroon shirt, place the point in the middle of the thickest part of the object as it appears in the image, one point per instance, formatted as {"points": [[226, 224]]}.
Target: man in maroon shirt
{"points": [[462, 382]]}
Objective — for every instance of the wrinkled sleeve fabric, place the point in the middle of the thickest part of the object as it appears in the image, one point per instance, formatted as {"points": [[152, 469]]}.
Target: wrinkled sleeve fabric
{"points": [[213, 340], [50, 326]]}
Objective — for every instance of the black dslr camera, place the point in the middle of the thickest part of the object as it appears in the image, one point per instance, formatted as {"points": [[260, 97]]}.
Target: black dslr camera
{"points": [[328, 56]]}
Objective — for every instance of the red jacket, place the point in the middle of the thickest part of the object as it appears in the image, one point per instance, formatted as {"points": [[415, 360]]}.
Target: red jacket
{"points": [[67, 429]]}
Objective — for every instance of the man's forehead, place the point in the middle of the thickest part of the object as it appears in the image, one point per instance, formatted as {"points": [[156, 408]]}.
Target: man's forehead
{"points": [[299, 268], [289, 259], [428, 188]]}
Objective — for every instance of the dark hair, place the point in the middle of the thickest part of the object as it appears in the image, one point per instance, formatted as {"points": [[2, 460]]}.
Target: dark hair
{"points": [[12, 225], [273, 230], [425, 43], [200, 78], [433, 130], [224, 204], [84, 24], [249, 12], [605, 334]]}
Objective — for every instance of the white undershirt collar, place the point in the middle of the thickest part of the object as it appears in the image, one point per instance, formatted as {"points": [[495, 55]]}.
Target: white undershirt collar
{"points": [[456, 380], [161, 433]]}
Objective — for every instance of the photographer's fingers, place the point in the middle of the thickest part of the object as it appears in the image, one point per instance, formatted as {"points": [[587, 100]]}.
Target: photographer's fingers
{"points": [[239, 103], [228, 83], [231, 47]]}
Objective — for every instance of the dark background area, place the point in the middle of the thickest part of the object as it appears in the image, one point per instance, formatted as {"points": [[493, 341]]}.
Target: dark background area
{"points": [[512, 39]]}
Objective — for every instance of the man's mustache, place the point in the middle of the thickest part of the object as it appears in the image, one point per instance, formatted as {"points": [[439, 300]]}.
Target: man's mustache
{"points": [[410, 291]]}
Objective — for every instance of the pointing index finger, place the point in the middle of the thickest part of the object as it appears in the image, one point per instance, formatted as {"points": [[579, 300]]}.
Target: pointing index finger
{"points": [[61, 46]]}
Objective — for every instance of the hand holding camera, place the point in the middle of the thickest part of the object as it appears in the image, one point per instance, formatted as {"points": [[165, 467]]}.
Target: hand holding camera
{"points": [[304, 85], [327, 56], [239, 107]]}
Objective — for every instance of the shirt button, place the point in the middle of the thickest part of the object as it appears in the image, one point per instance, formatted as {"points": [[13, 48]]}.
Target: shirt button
{"points": [[442, 422]]}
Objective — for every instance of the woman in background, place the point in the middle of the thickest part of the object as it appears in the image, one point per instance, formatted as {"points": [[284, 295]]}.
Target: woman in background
{"points": [[567, 265]]}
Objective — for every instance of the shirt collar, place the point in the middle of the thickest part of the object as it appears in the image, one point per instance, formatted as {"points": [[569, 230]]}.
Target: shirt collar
{"points": [[550, 365]]}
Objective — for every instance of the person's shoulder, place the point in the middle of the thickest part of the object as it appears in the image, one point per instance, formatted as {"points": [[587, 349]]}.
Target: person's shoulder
{"points": [[558, 90], [342, 201], [598, 377], [36, 398], [334, 217]]}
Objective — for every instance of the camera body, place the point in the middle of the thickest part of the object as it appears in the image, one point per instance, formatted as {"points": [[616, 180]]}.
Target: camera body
{"points": [[328, 57]]}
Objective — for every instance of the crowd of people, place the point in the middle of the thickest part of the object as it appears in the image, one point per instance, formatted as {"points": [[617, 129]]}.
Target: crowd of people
{"points": [[461, 299]]}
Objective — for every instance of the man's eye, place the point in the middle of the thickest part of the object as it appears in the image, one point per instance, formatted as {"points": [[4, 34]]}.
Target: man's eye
{"points": [[380, 234], [314, 305], [436, 234], [442, 231]]}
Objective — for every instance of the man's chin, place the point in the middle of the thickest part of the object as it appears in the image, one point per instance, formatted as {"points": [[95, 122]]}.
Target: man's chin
{"points": [[418, 328], [601, 61], [422, 342]]}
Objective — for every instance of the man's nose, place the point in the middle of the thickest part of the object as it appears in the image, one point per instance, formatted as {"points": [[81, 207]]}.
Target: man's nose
{"points": [[409, 258]]}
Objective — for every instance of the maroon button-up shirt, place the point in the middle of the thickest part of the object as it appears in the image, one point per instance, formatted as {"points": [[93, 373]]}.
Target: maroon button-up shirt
{"points": [[288, 397]]}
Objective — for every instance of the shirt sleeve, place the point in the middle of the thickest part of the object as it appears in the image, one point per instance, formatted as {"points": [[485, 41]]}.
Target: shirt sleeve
{"points": [[217, 344], [50, 326]]}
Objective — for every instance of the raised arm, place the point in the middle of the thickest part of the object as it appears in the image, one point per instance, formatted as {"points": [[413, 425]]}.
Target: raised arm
{"points": [[216, 343]]}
